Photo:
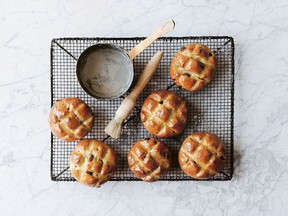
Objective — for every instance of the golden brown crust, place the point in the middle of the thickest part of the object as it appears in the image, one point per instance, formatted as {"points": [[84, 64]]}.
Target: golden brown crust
{"points": [[92, 162], [164, 113], [70, 119], [193, 67], [149, 159], [201, 155]]}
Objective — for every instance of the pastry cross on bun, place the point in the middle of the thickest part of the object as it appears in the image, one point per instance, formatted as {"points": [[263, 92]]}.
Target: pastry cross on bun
{"points": [[201, 155], [70, 119], [92, 162], [149, 159], [164, 113], [193, 67]]}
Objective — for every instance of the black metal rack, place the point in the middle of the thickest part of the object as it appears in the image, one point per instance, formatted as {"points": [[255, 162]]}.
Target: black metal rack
{"points": [[210, 109]]}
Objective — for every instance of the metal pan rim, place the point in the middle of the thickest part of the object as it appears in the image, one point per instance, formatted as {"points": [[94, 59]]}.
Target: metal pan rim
{"points": [[81, 63]]}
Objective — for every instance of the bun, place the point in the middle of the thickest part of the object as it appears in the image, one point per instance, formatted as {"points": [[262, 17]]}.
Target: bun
{"points": [[164, 113], [149, 159], [70, 119], [201, 155], [193, 67], [92, 162]]}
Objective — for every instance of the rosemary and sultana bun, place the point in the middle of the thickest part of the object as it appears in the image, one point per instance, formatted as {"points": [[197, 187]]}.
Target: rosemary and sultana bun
{"points": [[149, 159], [193, 67], [201, 155], [70, 119], [92, 162], [164, 113]]}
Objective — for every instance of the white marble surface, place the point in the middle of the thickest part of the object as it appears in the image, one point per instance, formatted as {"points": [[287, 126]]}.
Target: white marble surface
{"points": [[260, 183]]}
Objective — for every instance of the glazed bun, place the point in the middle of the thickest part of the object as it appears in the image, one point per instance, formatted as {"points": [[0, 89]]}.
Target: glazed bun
{"points": [[201, 155], [92, 162], [70, 119], [164, 113], [149, 159], [193, 67]]}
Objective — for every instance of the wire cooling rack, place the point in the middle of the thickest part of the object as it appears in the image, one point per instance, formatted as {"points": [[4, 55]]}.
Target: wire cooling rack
{"points": [[210, 109]]}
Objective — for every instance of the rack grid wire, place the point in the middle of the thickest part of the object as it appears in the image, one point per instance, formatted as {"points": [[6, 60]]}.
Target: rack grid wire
{"points": [[210, 109]]}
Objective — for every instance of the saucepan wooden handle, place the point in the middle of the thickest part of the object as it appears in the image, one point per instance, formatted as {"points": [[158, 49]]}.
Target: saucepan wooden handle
{"points": [[166, 27]]}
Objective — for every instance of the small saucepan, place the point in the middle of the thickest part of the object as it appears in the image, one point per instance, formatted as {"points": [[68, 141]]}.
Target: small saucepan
{"points": [[105, 71]]}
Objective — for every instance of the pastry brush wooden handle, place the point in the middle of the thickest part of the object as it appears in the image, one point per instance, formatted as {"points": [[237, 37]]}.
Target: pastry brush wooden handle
{"points": [[128, 103]]}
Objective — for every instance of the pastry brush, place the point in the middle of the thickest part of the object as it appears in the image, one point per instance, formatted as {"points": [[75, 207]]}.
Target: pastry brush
{"points": [[114, 127]]}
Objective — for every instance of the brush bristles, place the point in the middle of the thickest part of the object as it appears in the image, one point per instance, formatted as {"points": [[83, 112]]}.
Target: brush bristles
{"points": [[114, 127]]}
